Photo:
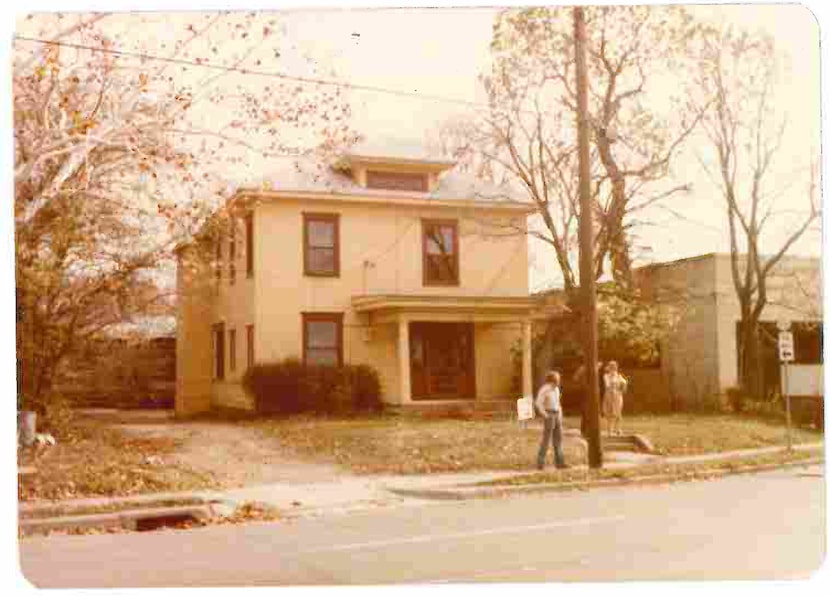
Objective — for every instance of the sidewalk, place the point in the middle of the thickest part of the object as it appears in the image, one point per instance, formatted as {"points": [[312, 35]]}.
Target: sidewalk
{"points": [[360, 492]]}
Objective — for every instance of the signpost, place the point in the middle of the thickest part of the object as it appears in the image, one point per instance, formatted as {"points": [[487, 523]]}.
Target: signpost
{"points": [[786, 354]]}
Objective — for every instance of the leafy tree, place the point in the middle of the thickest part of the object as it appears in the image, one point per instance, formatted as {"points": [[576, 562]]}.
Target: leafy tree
{"points": [[123, 146]]}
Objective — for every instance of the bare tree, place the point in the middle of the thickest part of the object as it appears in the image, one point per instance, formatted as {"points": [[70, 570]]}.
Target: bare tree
{"points": [[526, 135], [737, 77]]}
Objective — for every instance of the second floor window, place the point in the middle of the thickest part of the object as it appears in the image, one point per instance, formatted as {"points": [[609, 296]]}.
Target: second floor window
{"points": [[232, 251], [440, 253], [321, 239], [249, 244], [218, 258]]}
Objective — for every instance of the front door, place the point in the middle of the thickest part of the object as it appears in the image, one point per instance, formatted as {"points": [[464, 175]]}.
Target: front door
{"points": [[442, 360]]}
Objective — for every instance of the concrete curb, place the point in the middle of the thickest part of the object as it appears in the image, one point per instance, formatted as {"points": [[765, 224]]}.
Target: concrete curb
{"points": [[128, 519], [483, 492]]}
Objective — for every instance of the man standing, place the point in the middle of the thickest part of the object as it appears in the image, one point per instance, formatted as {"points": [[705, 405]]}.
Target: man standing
{"points": [[548, 404]]}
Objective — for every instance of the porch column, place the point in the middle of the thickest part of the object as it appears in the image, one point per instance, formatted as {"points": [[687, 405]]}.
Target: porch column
{"points": [[527, 368], [403, 360]]}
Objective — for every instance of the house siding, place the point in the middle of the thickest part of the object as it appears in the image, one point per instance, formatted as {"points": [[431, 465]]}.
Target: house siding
{"points": [[793, 293], [699, 358], [492, 344], [194, 282], [233, 305], [689, 361], [388, 238]]}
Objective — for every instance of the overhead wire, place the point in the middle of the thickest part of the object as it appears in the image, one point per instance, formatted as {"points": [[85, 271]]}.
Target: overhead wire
{"points": [[256, 72]]}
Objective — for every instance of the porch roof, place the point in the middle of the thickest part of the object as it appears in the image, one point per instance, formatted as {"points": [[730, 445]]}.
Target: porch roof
{"points": [[472, 307]]}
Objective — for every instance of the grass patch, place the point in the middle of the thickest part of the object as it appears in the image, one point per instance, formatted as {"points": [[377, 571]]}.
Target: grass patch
{"points": [[685, 471], [91, 460], [695, 434], [408, 446], [389, 445]]}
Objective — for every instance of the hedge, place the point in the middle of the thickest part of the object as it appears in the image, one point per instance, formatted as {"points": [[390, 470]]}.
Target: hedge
{"points": [[290, 387]]}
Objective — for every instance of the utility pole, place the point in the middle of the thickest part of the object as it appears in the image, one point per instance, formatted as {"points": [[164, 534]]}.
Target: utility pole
{"points": [[586, 247]]}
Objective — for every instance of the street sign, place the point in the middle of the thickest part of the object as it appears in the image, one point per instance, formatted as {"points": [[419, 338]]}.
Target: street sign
{"points": [[786, 348]]}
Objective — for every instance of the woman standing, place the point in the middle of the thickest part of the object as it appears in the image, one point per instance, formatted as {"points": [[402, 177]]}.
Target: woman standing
{"points": [[615, 385]]}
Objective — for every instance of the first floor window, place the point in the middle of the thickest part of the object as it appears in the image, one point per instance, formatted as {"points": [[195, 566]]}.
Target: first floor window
{"points": [[250, 333], [232, 349], [219, 351], [323, 338]]}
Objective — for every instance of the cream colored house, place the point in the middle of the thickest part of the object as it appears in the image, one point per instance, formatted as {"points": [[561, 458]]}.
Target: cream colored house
{"points": [[399, 263], [699, 359]]}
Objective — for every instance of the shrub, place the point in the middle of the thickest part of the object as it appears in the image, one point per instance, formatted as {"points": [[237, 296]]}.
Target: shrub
{"points": [[366, 389], [736, 398], [290, 387], [710, 403], [278, 388]]}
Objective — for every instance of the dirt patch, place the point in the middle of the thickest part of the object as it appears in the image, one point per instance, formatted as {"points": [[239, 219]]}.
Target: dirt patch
{"points": [[236, 454]]}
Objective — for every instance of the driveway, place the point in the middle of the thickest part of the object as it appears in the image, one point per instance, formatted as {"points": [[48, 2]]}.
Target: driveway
{"points": [[236, 454]]}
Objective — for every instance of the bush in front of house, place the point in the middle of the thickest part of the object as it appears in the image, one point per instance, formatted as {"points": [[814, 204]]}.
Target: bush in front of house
{"points": [[366, 391], [290, 387]]}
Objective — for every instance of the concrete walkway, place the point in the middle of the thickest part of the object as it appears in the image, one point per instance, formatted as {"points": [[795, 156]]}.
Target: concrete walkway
{"points": [[359, 492]]}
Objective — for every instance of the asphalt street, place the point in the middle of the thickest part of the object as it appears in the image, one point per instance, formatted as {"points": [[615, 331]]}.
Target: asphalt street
{"points": [[764, 526]]}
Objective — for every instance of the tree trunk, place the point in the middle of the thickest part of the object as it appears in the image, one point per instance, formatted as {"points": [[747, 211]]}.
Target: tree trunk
{"points": [[750, 373]]}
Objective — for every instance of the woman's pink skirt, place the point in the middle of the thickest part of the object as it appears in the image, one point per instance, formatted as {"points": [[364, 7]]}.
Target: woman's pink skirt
{"points": [[613, 406]]}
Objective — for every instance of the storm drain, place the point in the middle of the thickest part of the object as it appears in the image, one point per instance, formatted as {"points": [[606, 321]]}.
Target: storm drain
{"points": [[148, 524]]}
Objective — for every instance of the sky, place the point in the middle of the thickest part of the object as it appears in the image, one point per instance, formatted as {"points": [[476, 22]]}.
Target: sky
{"points": [[443, 52], [436, 56]]}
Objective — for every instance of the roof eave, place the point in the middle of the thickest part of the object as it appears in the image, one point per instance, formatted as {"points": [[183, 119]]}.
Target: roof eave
{"points": [[389, 197]]}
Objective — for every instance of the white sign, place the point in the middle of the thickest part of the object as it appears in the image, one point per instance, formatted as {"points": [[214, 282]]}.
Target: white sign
{"points": [[786, 351], [805, 379], [524, 408]]}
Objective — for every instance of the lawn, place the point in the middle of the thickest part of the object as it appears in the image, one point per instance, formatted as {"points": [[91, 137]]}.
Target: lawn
{"points": [[688, 434], [92, 460], [395, 446]]}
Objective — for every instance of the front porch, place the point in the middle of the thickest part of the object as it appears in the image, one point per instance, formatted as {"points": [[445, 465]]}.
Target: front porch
{"points": [[453, 350]]}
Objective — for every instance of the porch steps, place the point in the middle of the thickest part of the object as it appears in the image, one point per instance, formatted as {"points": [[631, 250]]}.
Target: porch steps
{"points": [[631, 442]]}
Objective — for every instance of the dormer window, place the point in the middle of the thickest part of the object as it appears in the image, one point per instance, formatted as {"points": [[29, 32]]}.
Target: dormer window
{"points": [[396, 180], [381, 172]]}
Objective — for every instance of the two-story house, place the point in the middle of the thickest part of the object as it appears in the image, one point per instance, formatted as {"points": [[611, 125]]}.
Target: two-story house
{"points": [[394, 262]]}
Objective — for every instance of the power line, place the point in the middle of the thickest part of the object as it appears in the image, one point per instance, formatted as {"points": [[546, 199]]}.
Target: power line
{"points": [[256, 72]]}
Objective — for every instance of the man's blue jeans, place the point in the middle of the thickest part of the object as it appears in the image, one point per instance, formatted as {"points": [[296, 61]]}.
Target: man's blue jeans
{"points": [[552, 433]]}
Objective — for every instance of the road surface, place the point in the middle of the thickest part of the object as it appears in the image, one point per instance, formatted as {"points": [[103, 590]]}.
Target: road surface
{"points": [[763, 526]]}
